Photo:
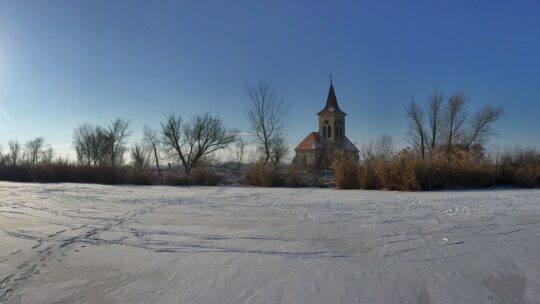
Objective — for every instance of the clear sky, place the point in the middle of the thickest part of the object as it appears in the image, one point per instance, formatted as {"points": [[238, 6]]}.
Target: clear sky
{"points": [[63, 63]]}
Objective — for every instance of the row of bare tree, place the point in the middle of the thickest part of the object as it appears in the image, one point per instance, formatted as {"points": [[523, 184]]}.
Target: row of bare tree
{"points": [[189, 142], [33, 151], [444, 125]]}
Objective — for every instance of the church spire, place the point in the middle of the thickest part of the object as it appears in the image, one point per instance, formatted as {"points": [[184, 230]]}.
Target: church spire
{"points": [[331, 102]]}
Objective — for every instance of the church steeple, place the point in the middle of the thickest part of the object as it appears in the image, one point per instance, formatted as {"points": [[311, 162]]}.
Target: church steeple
{"points": [[331, 102], [332, 120], [318, 149]]}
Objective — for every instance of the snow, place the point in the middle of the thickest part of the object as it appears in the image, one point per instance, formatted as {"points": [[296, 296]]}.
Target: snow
{"points": [[76, 243]]}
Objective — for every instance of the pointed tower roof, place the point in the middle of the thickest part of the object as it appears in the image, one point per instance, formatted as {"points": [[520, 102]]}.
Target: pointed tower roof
{"points": [[331, 102]]}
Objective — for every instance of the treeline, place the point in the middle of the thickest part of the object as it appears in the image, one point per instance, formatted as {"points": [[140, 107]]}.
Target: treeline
{"points": [[448, 150], [178, 152], [101, 153]]}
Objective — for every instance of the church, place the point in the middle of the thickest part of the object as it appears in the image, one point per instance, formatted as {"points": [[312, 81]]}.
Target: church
{"points": [[317, 150]]}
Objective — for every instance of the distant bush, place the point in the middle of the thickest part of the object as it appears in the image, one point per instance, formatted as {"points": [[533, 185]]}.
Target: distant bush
{"points": [[205, 177], [61, 172], [262, 175], [520, 168], [176, 179], [460, 169], [139, 178], [367, 177], [64, 172], [294, 180], [345, 168], [198, 177]]}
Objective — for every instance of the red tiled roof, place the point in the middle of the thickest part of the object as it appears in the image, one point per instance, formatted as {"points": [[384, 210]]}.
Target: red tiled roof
{"points": [[331, 102], [310, 142]]}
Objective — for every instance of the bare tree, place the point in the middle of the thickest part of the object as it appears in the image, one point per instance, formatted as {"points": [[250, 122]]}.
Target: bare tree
{"points": [[82, 143], [33, 148], [47, 155], [99, 145], [384, 147], [267, 116], [279, 149], [14, 151], [92, 145], [449, 127], [455, 119], [172, 137], [481, 125], [117, 135], [140, 155], [239, 149], [202, 136], [3, 157], [434, 113], [151, 139], [416, 127]]}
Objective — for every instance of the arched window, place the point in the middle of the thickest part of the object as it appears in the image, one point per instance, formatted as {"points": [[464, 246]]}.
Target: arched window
{"points": [[338, 129], [329, 132], [324, 131]]}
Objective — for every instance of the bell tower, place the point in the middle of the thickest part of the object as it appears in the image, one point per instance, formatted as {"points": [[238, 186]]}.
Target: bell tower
{"points": [[331, 123], [319, 149]]}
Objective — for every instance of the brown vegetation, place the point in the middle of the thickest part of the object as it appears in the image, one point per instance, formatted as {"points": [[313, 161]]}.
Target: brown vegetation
{"points": [[69, 173], [198, 177], [205, 177], [462, 169], [262, 175], [345, 169], [521, 168]]}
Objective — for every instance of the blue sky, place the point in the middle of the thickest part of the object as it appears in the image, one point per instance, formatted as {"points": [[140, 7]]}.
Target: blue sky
{"points": [[63, 63]]}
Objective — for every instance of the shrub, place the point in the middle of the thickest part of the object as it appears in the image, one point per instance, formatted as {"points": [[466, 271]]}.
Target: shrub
{"points": [[205, 177], [139, 178], [367, 177], [345, 167], [409, 172], [460, 169], [520, 168], [262, 175], [177, 179], [63, 172], [294, 180], [403, 173]]}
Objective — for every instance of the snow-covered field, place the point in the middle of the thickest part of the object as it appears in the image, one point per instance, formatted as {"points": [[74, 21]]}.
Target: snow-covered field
{"points": [[70, 243]]}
